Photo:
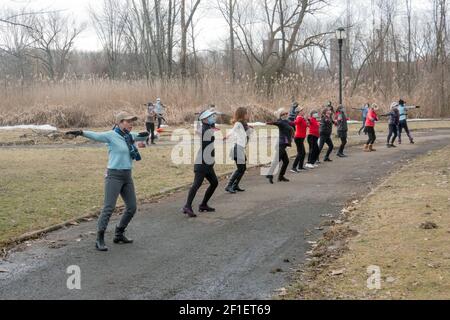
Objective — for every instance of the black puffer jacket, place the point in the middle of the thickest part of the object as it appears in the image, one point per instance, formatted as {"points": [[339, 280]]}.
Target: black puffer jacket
{"points": [[286, 132], [206, 155], [326, 126], [341, 122]]}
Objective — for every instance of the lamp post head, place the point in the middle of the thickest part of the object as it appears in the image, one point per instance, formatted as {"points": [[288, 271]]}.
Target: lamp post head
{"points": [[341, 34]]}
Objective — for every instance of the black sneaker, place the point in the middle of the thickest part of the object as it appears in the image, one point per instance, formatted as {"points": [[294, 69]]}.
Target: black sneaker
{"points": [[206, 208], [189, 212], [230, 190], [270, 179], [283, 179], [328, 160]]}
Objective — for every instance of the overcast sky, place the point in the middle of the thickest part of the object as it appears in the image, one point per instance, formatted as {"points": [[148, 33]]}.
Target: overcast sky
{"points": [[211, 28]]}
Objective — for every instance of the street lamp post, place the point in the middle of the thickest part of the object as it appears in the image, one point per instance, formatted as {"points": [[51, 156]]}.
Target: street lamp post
{"points": [[341, 36]]}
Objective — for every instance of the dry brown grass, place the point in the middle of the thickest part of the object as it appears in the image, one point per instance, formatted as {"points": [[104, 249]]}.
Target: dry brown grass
{"points": [[92, 102], [414, 261]]}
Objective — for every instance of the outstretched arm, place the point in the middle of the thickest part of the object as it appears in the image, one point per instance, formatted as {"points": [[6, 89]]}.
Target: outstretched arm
{"points": [[95, 136], [140, 137]]}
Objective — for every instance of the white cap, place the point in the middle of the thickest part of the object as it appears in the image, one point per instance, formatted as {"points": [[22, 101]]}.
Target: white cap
{"points": [[206, 114], [394, 105]]}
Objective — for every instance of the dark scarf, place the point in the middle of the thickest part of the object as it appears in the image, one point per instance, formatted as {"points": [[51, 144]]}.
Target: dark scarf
{"points": [[134, 152]]}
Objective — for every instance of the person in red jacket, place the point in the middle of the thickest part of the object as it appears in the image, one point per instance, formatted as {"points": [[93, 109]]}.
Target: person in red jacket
{"points": [[372, 118], [301, 126], [313, 140]]}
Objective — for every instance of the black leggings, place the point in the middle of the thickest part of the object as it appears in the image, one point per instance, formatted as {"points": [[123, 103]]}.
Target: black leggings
{"points": [[283, 158], [208, 174], [150, 129], [301, 153], [314, 151], [326, 139], [363, 126], [404, 125], [372, 135], [343, 143], [393, 133], [237, 175], [160, 120]]}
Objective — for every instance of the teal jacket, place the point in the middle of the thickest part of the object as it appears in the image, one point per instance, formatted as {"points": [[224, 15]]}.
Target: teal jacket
{"points": [[119, 154]]}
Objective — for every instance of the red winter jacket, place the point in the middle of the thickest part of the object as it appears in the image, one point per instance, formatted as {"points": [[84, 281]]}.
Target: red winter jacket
{"points": [[300, 127], [371, 118], [314, 126]]}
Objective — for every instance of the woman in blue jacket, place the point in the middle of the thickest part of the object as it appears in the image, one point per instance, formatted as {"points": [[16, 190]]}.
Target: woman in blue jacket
{"points": [[119, 181]]}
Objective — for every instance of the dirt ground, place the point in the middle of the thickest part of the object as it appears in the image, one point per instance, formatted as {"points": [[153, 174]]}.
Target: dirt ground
{"points": [[401, 232]]}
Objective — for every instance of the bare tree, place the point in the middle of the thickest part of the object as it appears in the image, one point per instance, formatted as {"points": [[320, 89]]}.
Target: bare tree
{"points": [[186, 20], [53, 39], [110, 25]]}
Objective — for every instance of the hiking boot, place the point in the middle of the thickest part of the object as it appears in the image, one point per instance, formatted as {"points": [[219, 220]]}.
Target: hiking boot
{"points": [[366, 148], [328, 160], [119, 237], [371, 149], [100, 244]]}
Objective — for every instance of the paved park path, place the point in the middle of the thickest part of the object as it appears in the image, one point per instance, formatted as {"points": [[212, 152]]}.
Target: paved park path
{"points": [[232, 254]]}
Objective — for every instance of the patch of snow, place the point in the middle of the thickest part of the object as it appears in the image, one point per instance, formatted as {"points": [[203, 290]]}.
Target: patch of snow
{"points": [[30, 127], [257, 124]]}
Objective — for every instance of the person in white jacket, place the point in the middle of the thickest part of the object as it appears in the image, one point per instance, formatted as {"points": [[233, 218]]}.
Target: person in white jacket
{"points": [[240, 136]]}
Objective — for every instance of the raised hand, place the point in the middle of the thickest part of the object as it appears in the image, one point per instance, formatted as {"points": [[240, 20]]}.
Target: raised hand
{"points": [[143, 134], [77, 133]]}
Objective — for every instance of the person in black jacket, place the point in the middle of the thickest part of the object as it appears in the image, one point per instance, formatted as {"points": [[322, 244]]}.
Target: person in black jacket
{"points": [[285, 140], [326, 130], [204, 164], [394, 122], [342, 130]]}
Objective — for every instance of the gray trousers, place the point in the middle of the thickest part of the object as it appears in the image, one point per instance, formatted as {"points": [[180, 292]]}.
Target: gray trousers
{"points": [[118, 182]]}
